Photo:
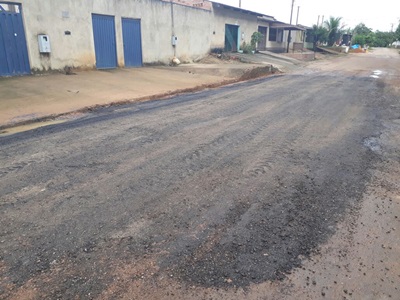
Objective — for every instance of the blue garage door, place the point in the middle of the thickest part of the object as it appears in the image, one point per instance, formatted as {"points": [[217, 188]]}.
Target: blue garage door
{"points": [[13, 51], [104, 41], [132, 42]]}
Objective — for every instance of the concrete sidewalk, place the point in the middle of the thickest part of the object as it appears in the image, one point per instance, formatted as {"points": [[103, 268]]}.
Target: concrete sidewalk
{"points": [[29, 98], [282, 62]]}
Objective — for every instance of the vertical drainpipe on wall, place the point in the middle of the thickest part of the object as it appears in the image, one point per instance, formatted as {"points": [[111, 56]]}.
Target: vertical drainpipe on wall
{"points": [[172, 26]]}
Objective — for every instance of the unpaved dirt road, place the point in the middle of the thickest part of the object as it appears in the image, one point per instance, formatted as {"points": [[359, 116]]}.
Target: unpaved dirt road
{"points": [[280, 188]]}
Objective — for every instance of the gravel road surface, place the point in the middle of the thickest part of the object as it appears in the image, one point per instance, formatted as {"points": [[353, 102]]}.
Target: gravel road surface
{"points": [[285, 187]]}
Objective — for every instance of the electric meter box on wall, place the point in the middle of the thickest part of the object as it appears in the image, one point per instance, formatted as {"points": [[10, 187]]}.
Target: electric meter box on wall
{"points": [[44, 43], [174, 40]]}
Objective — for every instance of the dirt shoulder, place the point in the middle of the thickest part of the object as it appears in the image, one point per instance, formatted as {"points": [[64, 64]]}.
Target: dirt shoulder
{"points": [[34, 98]]}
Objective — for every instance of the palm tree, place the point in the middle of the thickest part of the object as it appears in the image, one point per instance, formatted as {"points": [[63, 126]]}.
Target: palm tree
{"points": [[320, 34], [334, 29]]}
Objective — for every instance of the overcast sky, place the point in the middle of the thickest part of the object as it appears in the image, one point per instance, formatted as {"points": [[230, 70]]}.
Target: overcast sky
{"points": [[376, 14]]}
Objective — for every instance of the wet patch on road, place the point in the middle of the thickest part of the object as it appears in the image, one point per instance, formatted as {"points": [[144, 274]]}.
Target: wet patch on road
{"points": [[376, 74]]}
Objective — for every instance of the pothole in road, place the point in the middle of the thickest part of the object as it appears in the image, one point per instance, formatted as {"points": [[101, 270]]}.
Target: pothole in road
{"points": [[373, 143]]}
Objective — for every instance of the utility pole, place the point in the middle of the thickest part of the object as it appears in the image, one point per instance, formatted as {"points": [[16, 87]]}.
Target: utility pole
{"points": [[298, 12], [318, 21], [289, 35], [240, 3]]}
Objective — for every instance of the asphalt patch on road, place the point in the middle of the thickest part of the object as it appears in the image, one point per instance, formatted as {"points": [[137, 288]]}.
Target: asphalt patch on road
{"points": [[286, 225], [248, 226], [283, 228]]}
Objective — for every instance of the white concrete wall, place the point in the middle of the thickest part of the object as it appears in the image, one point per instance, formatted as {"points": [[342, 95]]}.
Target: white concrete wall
{"points": [[45, 17], [198, 30], [193, 27], [248, 24], [77, 49]]}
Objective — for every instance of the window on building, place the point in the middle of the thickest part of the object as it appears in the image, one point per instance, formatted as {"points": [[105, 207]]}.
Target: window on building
{"points": [[272, 34], [279, 36], [275, 35]]}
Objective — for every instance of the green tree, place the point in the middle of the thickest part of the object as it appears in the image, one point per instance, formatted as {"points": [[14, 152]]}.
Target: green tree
{"points": [[362, 29], [397, 33], [256, 37], [370, 38], [363, 35], [335, 29], [384, 39], [359, 39], [319, 33]]}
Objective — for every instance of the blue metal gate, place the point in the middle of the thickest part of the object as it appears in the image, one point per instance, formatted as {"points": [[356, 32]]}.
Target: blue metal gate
{"points": [[104, 41], [13, 51], [132, 37]]}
